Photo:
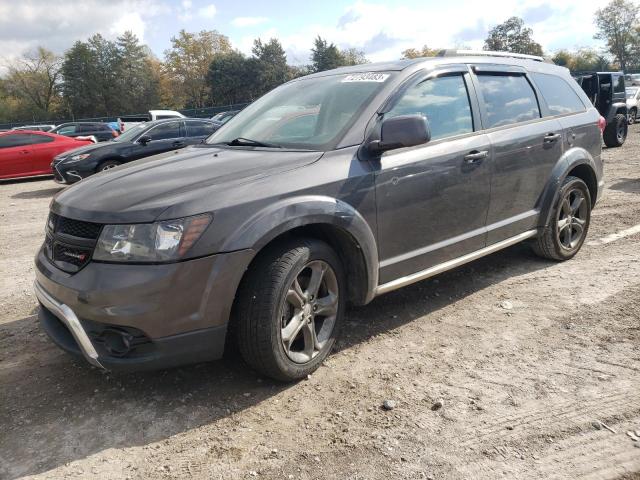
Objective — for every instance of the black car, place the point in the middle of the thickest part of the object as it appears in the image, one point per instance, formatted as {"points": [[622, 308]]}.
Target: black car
{"points": [[330, 190], [140, 141], [101, 131], [607, 92], [223, 117]]}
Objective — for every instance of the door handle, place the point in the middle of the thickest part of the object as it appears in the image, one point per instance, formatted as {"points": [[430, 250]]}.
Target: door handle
{"points": [[552, 138], [476, 156], [178, 144]]}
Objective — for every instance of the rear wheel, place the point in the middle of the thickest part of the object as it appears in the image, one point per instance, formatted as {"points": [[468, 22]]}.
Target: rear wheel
{"points": [[108, 165], [571, 217], [616, 132], [289, 309]]}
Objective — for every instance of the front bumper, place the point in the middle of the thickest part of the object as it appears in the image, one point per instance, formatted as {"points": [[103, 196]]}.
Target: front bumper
{"points": [[67, 174], [170, 314]]}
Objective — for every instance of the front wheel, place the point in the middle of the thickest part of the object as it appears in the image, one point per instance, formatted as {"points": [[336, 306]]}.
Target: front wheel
{"points": [[570, 220], [108, 165], [615, 133], [289, 309]]}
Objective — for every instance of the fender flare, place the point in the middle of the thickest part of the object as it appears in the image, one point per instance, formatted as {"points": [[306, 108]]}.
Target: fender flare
{"points": [[571, 159], [616, 108], [290, 213]]}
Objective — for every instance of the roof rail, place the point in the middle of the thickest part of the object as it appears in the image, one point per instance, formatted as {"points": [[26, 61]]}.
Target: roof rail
{"points": [[488, 53]]}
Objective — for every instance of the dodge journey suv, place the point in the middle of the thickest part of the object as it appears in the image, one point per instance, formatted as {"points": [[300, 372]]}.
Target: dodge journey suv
{"points": [[330, 190]]}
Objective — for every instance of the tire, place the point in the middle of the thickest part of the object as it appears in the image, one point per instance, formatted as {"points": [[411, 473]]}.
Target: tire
{"points": [[633, 113], [107, 165], [615, 133], [270, 309], [560, 240]]}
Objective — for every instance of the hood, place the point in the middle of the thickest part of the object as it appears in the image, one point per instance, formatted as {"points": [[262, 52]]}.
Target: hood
{"points": [[140, 191], [84, 149]]}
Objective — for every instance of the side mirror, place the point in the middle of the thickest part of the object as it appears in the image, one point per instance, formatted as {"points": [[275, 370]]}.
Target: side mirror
{"points": [[143, 140], [400, 132]]}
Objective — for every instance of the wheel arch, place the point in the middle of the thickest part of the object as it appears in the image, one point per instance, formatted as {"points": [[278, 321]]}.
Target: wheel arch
{"points": [[578, 163], [333, 221]]}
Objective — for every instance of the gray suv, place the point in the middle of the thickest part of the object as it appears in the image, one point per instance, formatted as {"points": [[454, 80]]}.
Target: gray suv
{"points": [[330, 190]]}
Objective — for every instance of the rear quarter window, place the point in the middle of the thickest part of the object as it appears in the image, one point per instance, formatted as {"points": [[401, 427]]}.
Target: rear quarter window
{"points": [[508, 99], [560, 97]]}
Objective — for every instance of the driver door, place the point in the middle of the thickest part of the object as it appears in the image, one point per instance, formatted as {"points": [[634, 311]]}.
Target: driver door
{"points": [[433, 199], [164, 138]]}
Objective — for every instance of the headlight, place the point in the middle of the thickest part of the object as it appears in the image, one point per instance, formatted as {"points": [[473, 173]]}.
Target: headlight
{"points": [[150, 242], [77, 158]]}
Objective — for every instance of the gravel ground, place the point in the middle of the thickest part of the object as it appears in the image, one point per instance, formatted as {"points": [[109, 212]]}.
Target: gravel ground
{"points": [[510, 367]]}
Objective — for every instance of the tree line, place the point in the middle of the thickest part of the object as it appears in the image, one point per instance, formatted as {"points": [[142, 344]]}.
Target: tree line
{"points": [[101, 77]]}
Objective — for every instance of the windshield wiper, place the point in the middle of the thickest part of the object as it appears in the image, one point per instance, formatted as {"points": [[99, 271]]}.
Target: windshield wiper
{"points": [[241, 142]]}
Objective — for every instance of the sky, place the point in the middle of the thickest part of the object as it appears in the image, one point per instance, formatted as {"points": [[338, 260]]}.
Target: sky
{"points": [[383, 29]]}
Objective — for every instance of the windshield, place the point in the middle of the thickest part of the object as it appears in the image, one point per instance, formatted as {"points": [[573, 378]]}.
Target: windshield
{"points": [[309, 113], [131, 133], [631, 92]]}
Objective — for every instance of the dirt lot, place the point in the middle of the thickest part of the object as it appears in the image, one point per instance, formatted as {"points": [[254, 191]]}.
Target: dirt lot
{"points": [[526, 357]]}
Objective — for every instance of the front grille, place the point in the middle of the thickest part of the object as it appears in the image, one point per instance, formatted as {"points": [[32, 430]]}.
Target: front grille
{"points": [[76, 256], [69, 243], [75, 228]]}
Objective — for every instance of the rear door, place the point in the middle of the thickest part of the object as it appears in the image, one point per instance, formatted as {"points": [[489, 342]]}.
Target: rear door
{"points": [[525, 145], [432, 199], [15, 155]]}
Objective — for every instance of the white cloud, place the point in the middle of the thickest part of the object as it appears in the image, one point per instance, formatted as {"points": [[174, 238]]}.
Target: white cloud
{"points": [[383, 31], [248, 21], [24, 26], [208, 11]]}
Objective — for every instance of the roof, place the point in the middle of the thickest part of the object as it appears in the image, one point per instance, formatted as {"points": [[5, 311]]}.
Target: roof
{"points": [[500, 58]]}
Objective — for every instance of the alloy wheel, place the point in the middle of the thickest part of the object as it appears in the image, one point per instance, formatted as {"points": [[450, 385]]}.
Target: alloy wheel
{"points": [[309, 310], [572, 218]]}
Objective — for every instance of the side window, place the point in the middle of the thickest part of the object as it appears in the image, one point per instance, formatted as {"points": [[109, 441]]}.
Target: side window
{"points": [[14, 140], [445, 103], [68, 130], [86, 128], [618, 84], [35, 139], [560, 97], [508, 99], [165, 131], [199, 129]]}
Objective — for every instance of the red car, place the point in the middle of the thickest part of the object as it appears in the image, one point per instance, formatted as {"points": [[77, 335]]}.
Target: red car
{"points": [[26, 153]]}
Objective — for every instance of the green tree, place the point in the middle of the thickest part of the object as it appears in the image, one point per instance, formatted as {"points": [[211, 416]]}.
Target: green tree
{"points": [[34, 78], [353, 56], [187, 64], [512, 36], [325, 56], [232, 78], [425, 51], [616, 25], [79, 72], [271, 65]]}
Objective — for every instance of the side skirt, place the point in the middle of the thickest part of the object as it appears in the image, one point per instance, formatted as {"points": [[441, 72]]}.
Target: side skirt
{"points": [[456, 262]]}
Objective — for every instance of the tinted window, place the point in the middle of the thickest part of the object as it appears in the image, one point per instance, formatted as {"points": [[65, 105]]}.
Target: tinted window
{"points": [[445, 103], [508, 99], [39, 139], [618, 84], [199, 129], [86, 128], [163, 117], [165, 131], [560, 97], [14, 140], [66, 130]]}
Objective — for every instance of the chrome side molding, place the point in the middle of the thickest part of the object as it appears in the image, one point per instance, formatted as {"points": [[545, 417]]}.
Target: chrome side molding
{"points": [[66, 316], [456, 262]]}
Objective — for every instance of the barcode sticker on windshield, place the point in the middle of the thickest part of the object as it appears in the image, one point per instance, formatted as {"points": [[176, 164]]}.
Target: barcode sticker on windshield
{"points": [[366, 77]]}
